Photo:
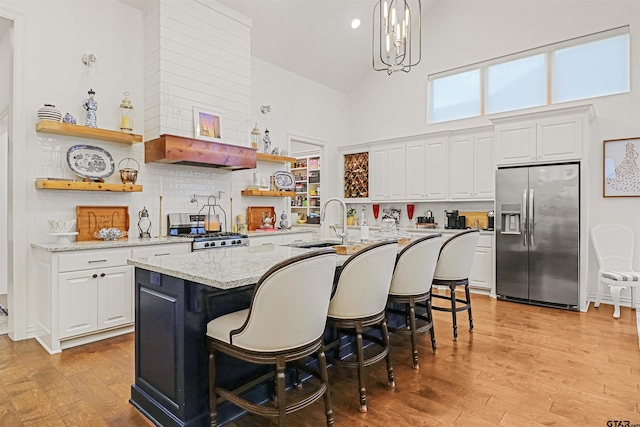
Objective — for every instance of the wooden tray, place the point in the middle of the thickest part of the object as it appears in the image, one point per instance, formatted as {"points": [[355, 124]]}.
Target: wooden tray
{"points": [[91, 219], [351, 249], [254, 216]]}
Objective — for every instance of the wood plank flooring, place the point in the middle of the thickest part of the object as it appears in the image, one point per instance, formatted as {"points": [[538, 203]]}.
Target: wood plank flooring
{"points": [[523, 365]]}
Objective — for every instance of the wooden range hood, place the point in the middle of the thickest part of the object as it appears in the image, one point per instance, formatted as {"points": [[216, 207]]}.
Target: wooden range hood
{"points": [[183, 150]]}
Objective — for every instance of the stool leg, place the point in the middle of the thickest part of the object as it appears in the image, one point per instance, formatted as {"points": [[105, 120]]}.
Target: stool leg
{"points": [[432, 331], [414, 340], [360, 354], [282, 404], [385, 339], [212, 390], [468, 296], [454, 316], [324, 377]]}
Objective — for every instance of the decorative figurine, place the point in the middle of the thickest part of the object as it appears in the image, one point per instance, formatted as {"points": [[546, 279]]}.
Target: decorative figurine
{"points": [[68, 118], [267, 142], [284, 223], [144, 224], [126, 114], [91, 106]]}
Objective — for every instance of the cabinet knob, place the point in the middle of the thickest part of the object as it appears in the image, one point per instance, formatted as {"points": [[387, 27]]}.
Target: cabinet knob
{"points": [[94, 276], [102, 275]]}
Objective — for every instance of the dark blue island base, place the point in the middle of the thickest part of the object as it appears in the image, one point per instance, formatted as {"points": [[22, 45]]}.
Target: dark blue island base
{"points": [[171, 362]]}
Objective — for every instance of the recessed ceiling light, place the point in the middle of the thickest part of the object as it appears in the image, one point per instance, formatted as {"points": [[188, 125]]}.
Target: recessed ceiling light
{"points": [[355, 23]]}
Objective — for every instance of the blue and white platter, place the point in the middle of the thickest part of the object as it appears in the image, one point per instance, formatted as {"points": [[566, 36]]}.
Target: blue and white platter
{"points": [[88, 161]]}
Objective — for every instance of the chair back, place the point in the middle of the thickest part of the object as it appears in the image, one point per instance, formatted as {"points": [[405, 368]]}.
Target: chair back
{"points": [[613, 245], [415, 266], [363, 285], [289, 304], [456, 256]]}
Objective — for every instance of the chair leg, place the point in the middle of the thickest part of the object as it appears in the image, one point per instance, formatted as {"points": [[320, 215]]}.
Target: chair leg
{"points": [[468, 296], [385, 339], [615, 296], [324, 377], [212, 390], [360, 354], [414, 340], [282, 404], [432, 331], [454, 316]]}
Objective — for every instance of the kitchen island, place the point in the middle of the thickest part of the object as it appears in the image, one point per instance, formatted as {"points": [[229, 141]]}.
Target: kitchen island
{"points": [[176, 296]]}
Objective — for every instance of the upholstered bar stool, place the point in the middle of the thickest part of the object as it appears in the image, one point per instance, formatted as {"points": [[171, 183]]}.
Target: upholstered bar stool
{"points": [[613, 245], [452, 270], [358, 305], [284, 323], [411, 287]]}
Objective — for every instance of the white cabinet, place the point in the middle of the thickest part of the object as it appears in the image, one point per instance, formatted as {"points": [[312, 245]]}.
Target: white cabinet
{"points": [[471, 166], [280, 239], [87, 295], [426, 169], [482, 275], [388, 171], [91, 300], [549, 137]]}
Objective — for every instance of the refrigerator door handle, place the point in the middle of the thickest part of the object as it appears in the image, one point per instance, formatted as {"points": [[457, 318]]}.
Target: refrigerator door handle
{"points": [[530, 216], [523, 218]]}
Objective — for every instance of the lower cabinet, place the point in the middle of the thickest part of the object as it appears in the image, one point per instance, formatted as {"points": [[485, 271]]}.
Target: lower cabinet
{"points": [[482, 276], [87, 295]]}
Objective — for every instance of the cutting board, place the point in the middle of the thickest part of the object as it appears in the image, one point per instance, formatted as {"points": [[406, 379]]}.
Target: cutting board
{"points": [[351, 249], [473, 216], [254, 216], [91, 219]]}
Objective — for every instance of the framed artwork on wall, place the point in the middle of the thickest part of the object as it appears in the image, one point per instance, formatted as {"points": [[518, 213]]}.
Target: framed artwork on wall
{"points": [[207, 125], [621, 168]]}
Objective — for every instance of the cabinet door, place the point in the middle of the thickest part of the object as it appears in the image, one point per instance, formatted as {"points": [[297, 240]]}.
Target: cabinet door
{"points": [[115, 296], [483, 168], [378, 173], [160, 250], [416, 172], [481, 271], [559, 139], [461, 167], [397, 171], [298, 237], [436, 169], [516, 143], [264, 240], [78, 302]]}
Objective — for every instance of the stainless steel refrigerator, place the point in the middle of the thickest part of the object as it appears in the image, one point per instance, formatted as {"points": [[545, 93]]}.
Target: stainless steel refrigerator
{"points": [[538, 234]]}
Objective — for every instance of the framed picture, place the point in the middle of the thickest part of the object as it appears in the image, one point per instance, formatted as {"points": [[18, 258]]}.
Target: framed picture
{"points": [[207, 125], [621, 168]]}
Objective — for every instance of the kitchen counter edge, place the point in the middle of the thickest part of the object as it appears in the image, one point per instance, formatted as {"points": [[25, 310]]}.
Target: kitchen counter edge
{"points": [[108, 244]]}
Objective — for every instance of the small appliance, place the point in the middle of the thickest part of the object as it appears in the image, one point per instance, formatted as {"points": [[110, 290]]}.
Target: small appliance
{"points": [[430, 218], [461, 222], [451, 219], [490, 220]]}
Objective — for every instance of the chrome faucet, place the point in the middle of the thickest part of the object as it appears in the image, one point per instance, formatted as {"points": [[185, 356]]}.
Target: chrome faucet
{"points": [[344, 233]]}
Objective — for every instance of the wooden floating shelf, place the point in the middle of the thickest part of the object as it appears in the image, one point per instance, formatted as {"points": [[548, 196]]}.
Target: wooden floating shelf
{"points": [[50, 184], [274, 159], [59, 128], [265, 193]]}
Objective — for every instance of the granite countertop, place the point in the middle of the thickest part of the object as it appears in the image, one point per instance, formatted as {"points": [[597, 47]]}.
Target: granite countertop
{"points": [[276, 232], [222, 268], [108, 244]]}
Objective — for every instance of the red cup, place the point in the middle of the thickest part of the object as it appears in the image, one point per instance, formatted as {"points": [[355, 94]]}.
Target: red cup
{"points": [[410, 209], [376, 211]]}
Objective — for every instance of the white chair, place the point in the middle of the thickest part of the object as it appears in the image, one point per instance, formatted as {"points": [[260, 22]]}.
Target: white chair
{"points": [[411, 287], [613, 244], [358, 304], [452, 270], [285, 322]]}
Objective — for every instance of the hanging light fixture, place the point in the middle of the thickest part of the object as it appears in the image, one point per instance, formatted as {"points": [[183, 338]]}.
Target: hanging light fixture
{"points": [[397, 30]]}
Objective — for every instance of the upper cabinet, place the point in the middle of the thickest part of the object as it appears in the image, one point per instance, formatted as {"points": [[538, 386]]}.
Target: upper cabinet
{"points": [[471, 166], [541, 137], [426, 169], [388, 163]]}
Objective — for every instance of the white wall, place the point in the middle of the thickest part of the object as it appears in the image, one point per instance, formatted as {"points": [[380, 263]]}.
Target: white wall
{"points": [[462, 32], [5, 95]]}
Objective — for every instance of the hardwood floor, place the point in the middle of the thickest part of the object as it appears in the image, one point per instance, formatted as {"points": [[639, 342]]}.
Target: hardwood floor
{"points": [[522, 365]]}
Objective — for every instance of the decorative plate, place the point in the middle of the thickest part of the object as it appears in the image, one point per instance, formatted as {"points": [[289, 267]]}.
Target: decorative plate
{"points": [[88, 161], [284, 180]]}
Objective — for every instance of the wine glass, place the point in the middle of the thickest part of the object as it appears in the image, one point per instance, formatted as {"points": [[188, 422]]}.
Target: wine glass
{"points": [[410, 209], [376, 211]]}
